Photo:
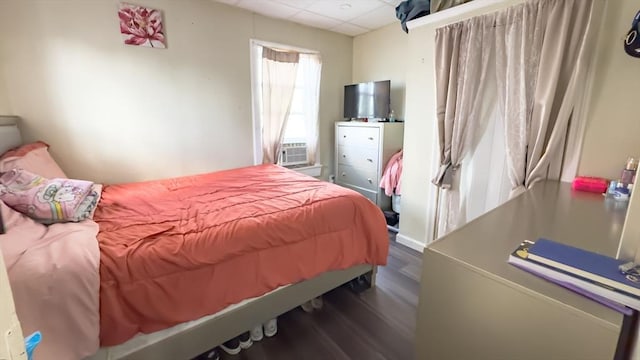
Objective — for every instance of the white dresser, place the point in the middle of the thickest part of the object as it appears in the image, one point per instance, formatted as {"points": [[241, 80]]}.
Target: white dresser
{"points": [[362, 151]]}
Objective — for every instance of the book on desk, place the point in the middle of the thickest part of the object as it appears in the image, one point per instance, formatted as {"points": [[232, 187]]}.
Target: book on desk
{"points": [[583, 263], [592, 275]]}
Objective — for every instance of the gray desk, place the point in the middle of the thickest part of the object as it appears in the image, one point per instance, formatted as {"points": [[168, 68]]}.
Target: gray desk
{"points": [[473, 305]]}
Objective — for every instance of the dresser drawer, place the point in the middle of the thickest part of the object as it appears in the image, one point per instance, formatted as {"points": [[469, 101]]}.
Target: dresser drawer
{"points": [[359, 136], [362, 157], [358, 177], [371, 195]]}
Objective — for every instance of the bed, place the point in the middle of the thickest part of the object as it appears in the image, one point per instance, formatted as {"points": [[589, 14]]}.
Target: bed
{"points": [[193, 261]]}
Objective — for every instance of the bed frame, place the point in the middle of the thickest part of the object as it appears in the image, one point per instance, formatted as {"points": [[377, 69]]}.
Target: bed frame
{"points": [[191, 342], [194, 340]]}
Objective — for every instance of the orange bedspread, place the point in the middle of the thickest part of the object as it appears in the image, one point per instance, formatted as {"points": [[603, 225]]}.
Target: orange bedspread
{"points": [[179, 249]]}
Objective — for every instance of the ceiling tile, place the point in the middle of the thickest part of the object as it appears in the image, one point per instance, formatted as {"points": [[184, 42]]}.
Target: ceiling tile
{"points": [[298, 4], [394, 3], [379, 17], [351, 17], [268, 8], [349, 29], [315, 20], [344, 9]]}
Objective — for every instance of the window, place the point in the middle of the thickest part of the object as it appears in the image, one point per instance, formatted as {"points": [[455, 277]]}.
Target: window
{"points": [[300, 128], [295, 131]]}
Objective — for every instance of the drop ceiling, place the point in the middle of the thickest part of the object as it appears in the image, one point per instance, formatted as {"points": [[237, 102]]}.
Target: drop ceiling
{"points": [[350, 17]]}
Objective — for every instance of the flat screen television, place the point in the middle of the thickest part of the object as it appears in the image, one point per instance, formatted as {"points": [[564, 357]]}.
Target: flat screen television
{"points": [[367, 100]]}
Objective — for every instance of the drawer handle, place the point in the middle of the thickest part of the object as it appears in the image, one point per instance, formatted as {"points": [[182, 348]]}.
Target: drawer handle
{"points": [[344, 156], [370, 181], [344, 174], [344, 136], [370, 160], [370, 137]]}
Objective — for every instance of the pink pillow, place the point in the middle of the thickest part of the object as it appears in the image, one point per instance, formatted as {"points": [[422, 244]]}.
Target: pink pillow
{"points": [[34, 158]]}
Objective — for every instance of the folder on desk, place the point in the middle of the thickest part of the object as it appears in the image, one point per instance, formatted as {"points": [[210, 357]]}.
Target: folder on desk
{"points": [[585, 264], [611, 297]]}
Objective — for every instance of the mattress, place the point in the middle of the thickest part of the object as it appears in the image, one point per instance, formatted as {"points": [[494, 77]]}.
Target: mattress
{"points": [[176, 250]]}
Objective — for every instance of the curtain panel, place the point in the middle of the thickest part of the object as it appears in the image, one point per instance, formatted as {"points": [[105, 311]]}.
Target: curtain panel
{"points": [[540, 52], [279, 72], [462, 63], [311, 68], [543, 50]]}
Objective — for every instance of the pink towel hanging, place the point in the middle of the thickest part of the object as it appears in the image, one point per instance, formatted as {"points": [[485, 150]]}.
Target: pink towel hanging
{"points": [[391, 178]]}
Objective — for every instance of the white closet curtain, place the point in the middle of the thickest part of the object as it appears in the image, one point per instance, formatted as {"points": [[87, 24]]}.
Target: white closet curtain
{"points": [[279, 72], [310, 70], [484, 183], [541, 50], [462, 63]]}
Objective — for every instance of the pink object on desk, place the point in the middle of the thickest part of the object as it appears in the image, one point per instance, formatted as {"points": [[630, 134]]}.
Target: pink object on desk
{"points": [[590, 184]]}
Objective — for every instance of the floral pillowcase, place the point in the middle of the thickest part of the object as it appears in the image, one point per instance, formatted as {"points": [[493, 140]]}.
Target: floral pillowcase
{"points": [[48, 200]]}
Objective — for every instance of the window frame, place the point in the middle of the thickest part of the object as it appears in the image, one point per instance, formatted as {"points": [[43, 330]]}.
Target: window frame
{"points": [[254, 44]]}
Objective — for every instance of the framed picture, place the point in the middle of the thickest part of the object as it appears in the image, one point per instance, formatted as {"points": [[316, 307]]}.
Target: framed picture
{"points": [[141, 26]]}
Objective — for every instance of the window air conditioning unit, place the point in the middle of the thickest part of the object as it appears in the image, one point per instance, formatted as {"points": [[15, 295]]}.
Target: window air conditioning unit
{"points": [[293, 154]]}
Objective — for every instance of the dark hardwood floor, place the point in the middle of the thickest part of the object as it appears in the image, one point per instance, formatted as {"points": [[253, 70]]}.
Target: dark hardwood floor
{"points": [[378, 323]]}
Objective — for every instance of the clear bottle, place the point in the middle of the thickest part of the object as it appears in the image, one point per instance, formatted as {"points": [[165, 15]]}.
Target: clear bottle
{"points": [[392, 116], [629, 172]]}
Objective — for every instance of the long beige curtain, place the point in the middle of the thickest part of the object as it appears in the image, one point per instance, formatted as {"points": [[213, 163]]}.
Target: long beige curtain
{"points": [[279, 72], [539, 52], [543, 49], [462, 61], [438, 5]]}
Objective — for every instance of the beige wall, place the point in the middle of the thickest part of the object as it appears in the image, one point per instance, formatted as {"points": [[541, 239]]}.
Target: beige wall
{"points": [[613, 128], [118, 113], [381, 55], [389, 53], [4, 95], [419, 141]]}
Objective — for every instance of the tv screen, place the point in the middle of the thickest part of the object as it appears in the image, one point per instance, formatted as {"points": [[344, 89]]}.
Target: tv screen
{"points": [[367, 100]]}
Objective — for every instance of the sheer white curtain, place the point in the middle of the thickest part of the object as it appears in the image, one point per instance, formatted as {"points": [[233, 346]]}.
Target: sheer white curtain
{"points": [[279, 72], [484, 183], [310, 70], [543, 50]]}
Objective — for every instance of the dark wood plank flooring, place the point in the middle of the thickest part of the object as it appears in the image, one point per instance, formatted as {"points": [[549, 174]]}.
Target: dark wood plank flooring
{"points": [[376, 324]]}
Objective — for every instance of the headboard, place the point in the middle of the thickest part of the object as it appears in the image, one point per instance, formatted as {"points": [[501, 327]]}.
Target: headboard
{"points": [[9, 133]]}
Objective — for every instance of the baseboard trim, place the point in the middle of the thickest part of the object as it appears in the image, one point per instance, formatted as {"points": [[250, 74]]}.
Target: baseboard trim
{"points": [[410, 242]]}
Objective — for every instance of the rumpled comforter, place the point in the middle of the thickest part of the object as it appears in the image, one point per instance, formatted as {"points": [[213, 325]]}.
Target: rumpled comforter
{"points": [[178, 249]]}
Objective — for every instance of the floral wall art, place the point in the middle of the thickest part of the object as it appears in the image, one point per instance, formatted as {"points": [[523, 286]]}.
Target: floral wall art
{"points": [[141, 26]]}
